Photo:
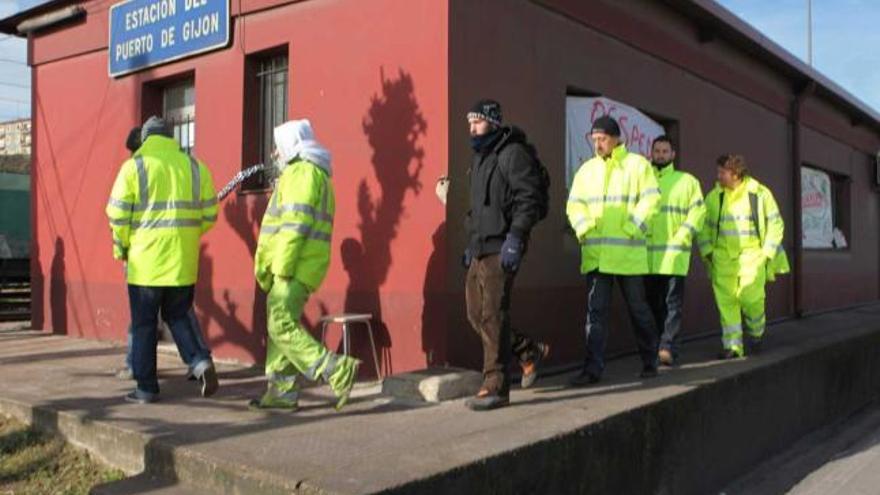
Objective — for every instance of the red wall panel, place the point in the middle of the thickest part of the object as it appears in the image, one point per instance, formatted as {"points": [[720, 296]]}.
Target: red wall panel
{"points": [[376, 94]]}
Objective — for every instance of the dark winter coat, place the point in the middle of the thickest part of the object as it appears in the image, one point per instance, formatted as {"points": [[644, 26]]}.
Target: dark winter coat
{"points": [[505, 193]]}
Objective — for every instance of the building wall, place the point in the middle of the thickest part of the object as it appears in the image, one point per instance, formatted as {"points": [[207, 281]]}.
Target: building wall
{"points": [[376, 94], [530, 55]]}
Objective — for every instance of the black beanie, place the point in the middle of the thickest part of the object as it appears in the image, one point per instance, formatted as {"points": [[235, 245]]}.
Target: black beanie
{"points": [[488, 110], [606, 125], [133, 142]]}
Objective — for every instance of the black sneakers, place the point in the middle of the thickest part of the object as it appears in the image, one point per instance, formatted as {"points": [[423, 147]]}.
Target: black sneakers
{"points": [[209, 382], [584, 378], [141, 397], [487, 402]]}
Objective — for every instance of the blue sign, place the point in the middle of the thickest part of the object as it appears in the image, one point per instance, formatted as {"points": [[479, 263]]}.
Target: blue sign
{"points": [[144, 33]]}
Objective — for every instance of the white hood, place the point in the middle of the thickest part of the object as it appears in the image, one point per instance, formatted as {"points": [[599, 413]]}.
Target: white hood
{"points": [[295, 138]]}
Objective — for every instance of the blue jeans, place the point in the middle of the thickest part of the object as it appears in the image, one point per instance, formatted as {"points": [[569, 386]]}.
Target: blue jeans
{"points": [[176, 304], [666, 297], [187, 359], [599, 287]]}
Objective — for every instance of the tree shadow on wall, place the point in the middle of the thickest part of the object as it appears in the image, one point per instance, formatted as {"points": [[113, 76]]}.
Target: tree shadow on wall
{"points": [[393, 125]]}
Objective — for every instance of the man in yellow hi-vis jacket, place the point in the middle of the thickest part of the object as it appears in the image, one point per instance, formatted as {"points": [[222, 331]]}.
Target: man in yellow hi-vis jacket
{"points": [[162, 201], [293, 254], [673, 229], [741, 244], [612, 201]]}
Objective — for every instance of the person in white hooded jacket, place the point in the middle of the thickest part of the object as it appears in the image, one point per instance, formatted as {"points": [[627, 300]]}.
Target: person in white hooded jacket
{"points": [[293, 254]]}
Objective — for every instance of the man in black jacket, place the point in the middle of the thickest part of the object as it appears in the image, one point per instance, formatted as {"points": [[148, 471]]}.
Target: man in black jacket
{"points": [[506, 201]]}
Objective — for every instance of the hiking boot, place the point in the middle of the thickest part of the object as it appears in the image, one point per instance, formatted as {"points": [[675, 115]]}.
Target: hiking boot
{"points": [[141, 397], [584, 378], [530, 368], [488, 402], [728, 354], [208, 380], [649, 371], [666, 358], [124, 373], [343, 378], [274, 403]]}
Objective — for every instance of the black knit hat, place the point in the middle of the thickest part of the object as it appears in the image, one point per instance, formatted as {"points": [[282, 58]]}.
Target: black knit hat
{"points": [[606, 125], [133, 142], [488, 110]]}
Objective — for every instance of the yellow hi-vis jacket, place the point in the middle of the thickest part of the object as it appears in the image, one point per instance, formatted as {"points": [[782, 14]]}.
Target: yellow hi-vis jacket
{"points": [[743, 231], [162, 201], [295, 234], [610, 208], [677, 223]]}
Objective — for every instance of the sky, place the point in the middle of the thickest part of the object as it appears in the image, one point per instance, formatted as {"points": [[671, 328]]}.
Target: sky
{"points": [[846, 44]]}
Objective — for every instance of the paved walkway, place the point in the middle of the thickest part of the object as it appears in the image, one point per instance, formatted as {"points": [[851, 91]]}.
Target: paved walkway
{"points": [[375, 444]]}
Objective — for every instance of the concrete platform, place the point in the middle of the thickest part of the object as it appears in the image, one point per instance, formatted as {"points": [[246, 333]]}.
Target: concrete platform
{"points": [[691, 430]]}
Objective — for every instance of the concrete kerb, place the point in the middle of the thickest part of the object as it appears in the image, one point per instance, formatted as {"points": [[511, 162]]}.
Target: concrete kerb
{"points": [[692, 442], [138, 453], [114, 446]]}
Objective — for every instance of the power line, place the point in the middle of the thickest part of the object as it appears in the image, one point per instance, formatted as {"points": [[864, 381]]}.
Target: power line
{"points": [[2, 83], [11, 61], [12, 100]]}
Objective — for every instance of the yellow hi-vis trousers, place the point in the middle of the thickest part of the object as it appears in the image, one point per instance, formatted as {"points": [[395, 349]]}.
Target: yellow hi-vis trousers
{"points": [[291, 349], [740, 299]]}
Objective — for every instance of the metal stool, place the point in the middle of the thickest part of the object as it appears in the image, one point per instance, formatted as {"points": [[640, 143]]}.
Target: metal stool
{"points": [[345, 320]]}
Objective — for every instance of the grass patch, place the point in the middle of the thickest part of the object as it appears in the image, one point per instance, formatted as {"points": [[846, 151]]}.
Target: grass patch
{"points": [[35, 463]]}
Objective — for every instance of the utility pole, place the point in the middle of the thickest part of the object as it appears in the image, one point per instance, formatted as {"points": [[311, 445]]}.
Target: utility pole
{"points": [[810, 33]]}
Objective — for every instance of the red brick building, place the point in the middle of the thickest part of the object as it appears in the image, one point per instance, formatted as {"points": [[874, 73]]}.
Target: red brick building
{"points": [[386, 84]]}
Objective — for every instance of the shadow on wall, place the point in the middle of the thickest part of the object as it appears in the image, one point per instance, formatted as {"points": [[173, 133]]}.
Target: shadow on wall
{"points": [[218, 304], [37, 283], [434, 311], [393, 125], [58, 290]]}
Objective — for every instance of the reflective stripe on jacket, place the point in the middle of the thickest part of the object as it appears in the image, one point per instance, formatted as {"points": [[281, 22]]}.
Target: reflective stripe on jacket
{"points": [[161, 203], [610, 207], [295, 233], [743, 231], [678, 220]]}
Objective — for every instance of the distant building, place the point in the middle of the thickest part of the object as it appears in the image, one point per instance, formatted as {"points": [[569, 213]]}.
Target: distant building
{"points": [[15, 137]]}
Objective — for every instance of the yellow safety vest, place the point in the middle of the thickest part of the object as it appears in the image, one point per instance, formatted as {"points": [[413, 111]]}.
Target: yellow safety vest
{"points": [[295, 234], [161, 203], [610, 207], [677, 222], [743, 231]]}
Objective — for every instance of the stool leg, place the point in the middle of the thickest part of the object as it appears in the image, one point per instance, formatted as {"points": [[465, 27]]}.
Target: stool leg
{"points": [[345, 340], [324, 333], [373, 345]]}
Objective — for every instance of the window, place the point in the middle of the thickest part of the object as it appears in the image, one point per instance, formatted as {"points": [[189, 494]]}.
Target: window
{"points": [[824, 209], [179, 110], [266, 102]]}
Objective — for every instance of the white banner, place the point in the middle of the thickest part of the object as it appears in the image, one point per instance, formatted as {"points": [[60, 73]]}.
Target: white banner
{"points": [[816, 214], [638, 129]]}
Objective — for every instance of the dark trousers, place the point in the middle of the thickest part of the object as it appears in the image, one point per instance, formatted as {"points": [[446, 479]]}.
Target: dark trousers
{"points": [[145, 303], [189, 360], [487, 294], [666, 297], [632, 287]]}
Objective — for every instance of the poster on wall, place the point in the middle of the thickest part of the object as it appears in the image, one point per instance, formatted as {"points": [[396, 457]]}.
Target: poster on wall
{"points": [[816, 213], [638, 129]]}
